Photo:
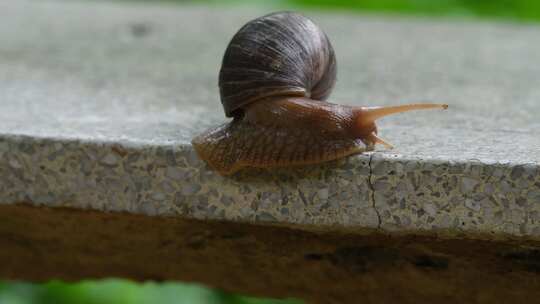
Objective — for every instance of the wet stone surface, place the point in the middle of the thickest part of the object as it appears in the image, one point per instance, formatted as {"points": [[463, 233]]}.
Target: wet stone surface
{"points": [[112, 131]]}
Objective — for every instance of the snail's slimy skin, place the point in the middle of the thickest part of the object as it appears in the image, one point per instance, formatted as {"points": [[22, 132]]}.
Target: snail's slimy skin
{"points": [[279, 133]]}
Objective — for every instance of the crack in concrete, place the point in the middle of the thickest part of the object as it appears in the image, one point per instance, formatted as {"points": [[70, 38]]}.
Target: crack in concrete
{"points": [[372, 194]]}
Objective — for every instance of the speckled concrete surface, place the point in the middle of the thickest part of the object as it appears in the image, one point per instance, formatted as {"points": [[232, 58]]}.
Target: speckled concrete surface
{"points": [[100, 100], [167, 180]]}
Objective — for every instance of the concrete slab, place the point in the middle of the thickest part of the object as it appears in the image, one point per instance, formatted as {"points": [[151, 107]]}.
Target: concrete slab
{"points": [[100, 101]]}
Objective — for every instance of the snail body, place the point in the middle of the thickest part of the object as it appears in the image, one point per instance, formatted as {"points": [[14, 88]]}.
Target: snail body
{"points": [[276, 74]]}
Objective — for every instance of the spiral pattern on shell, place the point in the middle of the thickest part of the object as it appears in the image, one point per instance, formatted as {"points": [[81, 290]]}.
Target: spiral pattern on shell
{"points": [[280, 54]]}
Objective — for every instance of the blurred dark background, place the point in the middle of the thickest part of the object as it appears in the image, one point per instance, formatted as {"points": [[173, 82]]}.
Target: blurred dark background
{"points": [[126, 292]]}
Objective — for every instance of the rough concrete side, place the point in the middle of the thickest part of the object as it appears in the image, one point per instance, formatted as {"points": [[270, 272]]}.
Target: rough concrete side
{"points": [[168, 180], [359, 192], [413, 194]]}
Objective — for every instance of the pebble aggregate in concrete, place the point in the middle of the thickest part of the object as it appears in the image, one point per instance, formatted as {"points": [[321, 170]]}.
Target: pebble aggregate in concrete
{"points": [[499, 198], [361, 191], [170, 180]]}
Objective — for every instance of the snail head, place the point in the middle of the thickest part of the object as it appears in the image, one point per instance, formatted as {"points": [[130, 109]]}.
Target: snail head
{"points": [[365, 118]]}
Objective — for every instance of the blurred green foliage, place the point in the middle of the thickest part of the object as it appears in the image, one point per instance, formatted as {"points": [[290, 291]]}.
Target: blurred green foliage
{"points": [[517, 10], [116, 291], [511, 9]]}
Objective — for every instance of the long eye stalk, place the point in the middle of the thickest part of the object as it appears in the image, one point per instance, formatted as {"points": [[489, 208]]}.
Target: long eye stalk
{"points": [[368, 116], [373, 113]]}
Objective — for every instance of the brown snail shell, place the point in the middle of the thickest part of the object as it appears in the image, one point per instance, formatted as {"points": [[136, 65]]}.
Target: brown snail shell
{"points": [[280, 54], [276, 74]]}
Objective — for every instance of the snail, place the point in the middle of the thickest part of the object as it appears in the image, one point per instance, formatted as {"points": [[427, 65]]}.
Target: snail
{"points": [[276, 75]]}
